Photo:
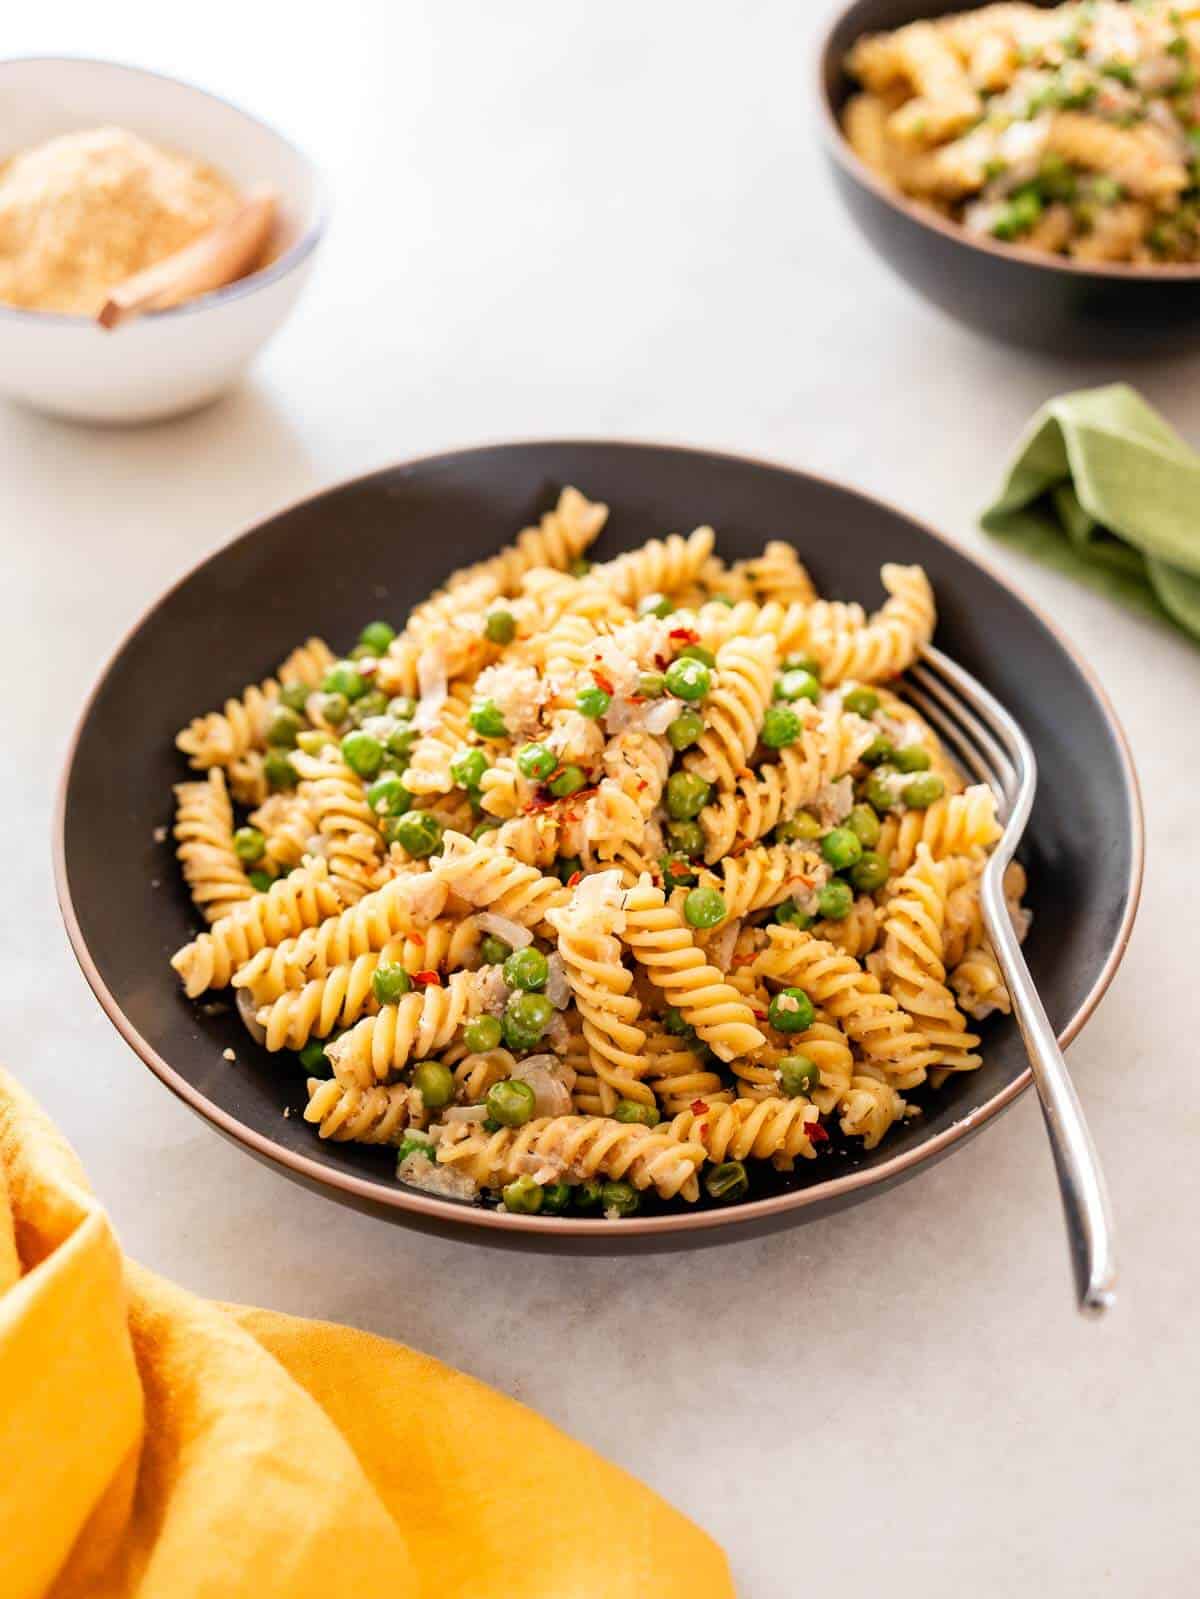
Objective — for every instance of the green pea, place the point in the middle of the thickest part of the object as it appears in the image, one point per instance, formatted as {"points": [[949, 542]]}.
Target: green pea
{"points": [[864, 824], [494, 951], [260, 882], [704, 907], [526, 968], [435, 1084], [283, 727], [877, 752], [526, 1018], [683, 732], [343, 677], [556, 1197], [414, 1144], [294, 696], [390, 983], [403, 707], [687, 795], [921, 792], [797, 685], [361, 652], [314, 1059], [592, 702], [677, 872], [789, 914], [790, 1011], [676, 1023], [798, 829], [655, 605], [912, 758], [727, 1182], [387, 796], [373, 703], [687, 837], [566, 866], [279, 771], [841, 848], [621, 1197], [587, 1195], [419, 832], [862, 701], [362, 753], [879, 790], [567, 782], [500, 627], [580, 566], [536, 761], [312, 740], [797, 1075], [487, 719], [629, 1110], [651, 685], [523, 1196], [377, 636], [697, 652], [401, 740], [781, 727], [248, 845], [835, 900], [688, 679], [802, 663], [870, 872], [511, 1103], [467, 768], [333, 709], [482, 1033]]}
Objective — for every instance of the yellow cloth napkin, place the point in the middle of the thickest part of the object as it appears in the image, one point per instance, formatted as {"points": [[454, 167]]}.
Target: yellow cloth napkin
{"points": [[156, 1445]]}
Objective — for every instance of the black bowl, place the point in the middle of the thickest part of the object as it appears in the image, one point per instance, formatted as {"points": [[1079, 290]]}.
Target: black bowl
{"points": [[1016, 295], [376, 545]]}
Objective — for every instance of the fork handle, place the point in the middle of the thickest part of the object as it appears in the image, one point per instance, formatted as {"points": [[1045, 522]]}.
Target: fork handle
{"points": [[1080, 1180]]}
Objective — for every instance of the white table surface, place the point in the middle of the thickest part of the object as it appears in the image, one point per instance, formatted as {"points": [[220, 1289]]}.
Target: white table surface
{"points": [[612, 220]]}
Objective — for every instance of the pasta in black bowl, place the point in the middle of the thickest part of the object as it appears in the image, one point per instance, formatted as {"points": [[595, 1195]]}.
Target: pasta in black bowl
{"points": [[617, 893]]}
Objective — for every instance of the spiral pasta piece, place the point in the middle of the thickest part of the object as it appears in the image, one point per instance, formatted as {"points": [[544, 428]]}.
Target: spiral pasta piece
{"points": [[348, 827], [661, 566], [825, 1045], [406, 907], [204, 846], [364, 1115], [913, 972], [979, 983], [491, 880], [828, 747], [475, 1073], [734, 710], [379, 1046], [855, 934], [615, 816], [338, 999], [956, 824], [289, 828], [675, 1073], [576, 1149], [777, 574], [884, 646], [759, 1129], [764, 876], [869, 1107], [608, 1009], [429, 763], [302, 899], [662, 943], [870, 1018]]}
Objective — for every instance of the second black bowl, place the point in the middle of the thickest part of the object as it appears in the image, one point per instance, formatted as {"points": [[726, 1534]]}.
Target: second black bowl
{"points": [[1019, 296]]}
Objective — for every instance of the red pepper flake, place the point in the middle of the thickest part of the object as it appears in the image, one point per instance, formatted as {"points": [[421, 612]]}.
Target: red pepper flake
{"points": [[759, 1015], [603, 680], [642, 783], [816, 1133], [427, 979], [698, 1107], [687, 634], [574, 879], [744, 960], [636, 699], [661, 662]]}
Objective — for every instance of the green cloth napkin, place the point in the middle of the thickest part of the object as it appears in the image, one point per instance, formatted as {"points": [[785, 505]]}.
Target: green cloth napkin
{"points": [[1104, 490]]}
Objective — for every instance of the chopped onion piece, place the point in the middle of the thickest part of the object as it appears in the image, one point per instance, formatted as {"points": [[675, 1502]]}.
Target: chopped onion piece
{"points": [[558, 989], [465, 1113], [248, 1011], [431, 680], [659, 716], [513, 934]]}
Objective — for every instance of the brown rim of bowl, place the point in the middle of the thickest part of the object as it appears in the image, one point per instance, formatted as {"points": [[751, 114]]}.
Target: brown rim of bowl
{"points": [[839, 149], [451, 1211]]}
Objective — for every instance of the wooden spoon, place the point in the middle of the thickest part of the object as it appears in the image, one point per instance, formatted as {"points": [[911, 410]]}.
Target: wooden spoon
{"points": [[227, 251]]}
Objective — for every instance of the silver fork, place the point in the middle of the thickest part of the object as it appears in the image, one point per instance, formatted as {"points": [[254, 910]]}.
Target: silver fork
{"points": [[989, 743]]}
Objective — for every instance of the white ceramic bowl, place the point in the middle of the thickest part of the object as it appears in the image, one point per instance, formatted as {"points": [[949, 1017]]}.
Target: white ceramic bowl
{"points": [[168, 361]]}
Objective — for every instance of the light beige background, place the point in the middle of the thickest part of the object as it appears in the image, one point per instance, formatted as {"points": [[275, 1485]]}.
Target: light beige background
{"points": [[611, 219]]}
